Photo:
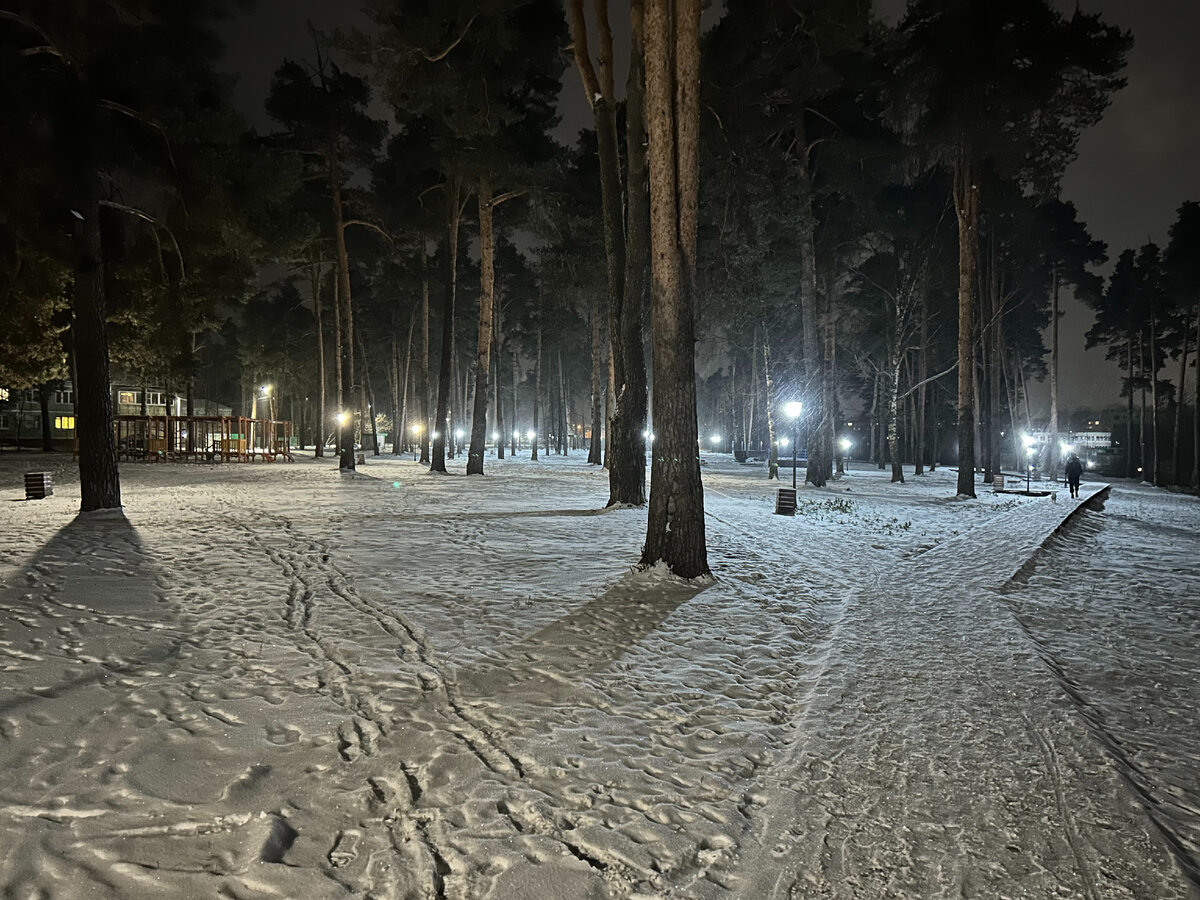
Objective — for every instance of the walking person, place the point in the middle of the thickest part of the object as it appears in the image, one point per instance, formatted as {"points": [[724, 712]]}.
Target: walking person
{"points": [[1073, 470]]}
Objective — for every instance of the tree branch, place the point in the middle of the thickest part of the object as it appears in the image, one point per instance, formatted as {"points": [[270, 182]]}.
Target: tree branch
{"points": [[511, 195], [583, 56], [146, 217], [370, 225], [440, 56]]}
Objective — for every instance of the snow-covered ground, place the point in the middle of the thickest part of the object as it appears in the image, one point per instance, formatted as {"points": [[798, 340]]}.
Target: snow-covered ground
{"points": [[277, 680]]}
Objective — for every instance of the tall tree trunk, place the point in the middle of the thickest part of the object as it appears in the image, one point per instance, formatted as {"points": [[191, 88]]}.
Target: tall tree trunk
{"points": [[1142, 421], [423, 376], [314, 277], [441, 425], [919, 443], [814, 374], [1177, 435], [483, 346], [496, 355], [627, 440], [401, 435], [1055, 315], [1130, 467], [516, 379], [1154, 443], [675, 532], [1196, 413], [595, 449], [99, 477], [44, 410], [966, 205], [346, 378], [772, 441], [367, 399], [893, 416]]}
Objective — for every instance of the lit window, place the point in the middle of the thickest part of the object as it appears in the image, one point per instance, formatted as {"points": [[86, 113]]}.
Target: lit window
{"points": [[3, 393], [127, 397], [64, 423]]}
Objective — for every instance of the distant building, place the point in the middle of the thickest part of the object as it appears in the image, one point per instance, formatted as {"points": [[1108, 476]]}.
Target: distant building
{"points": [[21, 411]]}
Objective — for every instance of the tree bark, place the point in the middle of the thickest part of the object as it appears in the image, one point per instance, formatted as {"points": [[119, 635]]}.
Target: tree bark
{"points": [[345, 315], [440, 424], [627, 440], [814, 376], [1176, 476], [1154, 473], [1196, 413], [499, 405], [483, 347], [99, 477], [772, 441], [1054, 317], [919, 436], [314, 275], [675, 533], [966, 205]]}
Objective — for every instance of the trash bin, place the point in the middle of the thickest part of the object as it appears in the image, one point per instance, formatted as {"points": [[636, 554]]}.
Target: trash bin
{"points": [[38, 485], [785, 502]]}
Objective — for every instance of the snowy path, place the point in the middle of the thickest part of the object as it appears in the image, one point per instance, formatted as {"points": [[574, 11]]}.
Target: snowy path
{"points": [[282, 682]]}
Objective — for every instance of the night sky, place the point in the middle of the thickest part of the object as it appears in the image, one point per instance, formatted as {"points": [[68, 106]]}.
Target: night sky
{"points": [[1134, 169]]}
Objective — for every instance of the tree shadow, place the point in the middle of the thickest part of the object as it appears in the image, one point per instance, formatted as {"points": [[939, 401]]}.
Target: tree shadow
{"points": [[546, 666], [90, 588]]}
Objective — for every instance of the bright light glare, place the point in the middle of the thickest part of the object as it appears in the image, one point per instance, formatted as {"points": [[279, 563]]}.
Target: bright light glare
{"points": [[1064, 447], [458, 433], [436, 435], [1027, 440], [495, 435], [716, 439], [517, 435], [794, 408], [416, 429], [845, 443], [342, 418], [782, 442], [531, 434]]}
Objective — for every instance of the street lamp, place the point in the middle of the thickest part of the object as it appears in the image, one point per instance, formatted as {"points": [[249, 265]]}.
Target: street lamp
{"points": [[793, 410], [1064, 448], [716, 441], [1030, 450]]}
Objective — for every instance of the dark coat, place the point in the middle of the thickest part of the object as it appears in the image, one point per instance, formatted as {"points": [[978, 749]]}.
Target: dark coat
{"points": [[1074, 470]]}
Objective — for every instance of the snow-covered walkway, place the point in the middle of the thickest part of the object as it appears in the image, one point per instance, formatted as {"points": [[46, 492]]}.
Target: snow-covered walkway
{"points": [[282, 681]]}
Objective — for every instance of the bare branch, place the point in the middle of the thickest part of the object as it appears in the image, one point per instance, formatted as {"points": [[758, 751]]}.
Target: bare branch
{"points": [[926, 381], [134, 114], [157, 223], [504, 198], [365, 224], [440, 56]]}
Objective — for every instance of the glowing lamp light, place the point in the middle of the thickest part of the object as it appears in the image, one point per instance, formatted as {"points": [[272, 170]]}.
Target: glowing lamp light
{"points": [[716, 439], [495, 435], [845, 443], [531, 434], [793, 409], [1065, 447], [458, 433], [436, 435], [416, 429], [782, 442], [342, 417]]}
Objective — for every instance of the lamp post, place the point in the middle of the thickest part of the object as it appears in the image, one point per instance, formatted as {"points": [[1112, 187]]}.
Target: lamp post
{"points": [[793, 409], [1029, 451]]}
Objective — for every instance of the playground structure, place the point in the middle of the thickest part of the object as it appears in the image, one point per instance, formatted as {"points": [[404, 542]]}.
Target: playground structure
{"points": [[202, 439]]}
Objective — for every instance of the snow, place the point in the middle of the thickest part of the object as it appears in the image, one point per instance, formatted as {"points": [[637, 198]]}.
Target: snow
{"points": [[278, 680]]}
